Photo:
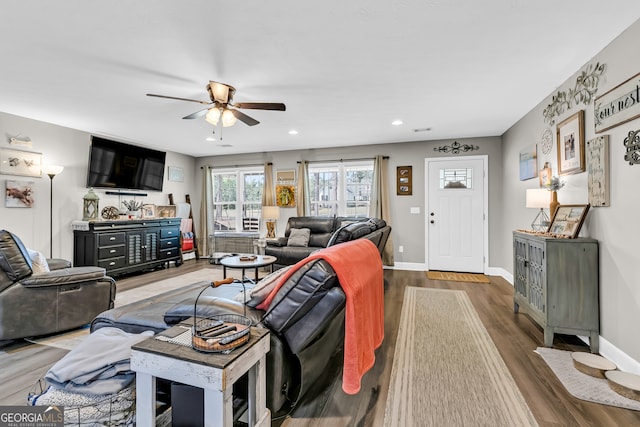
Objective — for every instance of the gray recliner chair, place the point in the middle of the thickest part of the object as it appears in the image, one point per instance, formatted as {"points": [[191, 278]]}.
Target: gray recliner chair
{"points": [[34, 304]]}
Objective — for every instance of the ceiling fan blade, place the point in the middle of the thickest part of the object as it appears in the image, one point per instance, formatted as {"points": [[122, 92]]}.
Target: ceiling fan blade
{"points": [[244, 118], [179, 99], [277, 106], [197, 114]]}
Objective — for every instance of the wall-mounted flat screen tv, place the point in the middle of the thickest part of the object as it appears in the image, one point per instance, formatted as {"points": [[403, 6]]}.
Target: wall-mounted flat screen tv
{"points": [[117, 165]]}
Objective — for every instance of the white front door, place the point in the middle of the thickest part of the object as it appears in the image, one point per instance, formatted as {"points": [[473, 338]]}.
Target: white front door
{"points": [[456, 213]]}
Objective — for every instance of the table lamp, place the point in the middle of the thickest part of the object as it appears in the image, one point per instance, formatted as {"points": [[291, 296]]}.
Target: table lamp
{"points": [[538, 198], [270, 214]]}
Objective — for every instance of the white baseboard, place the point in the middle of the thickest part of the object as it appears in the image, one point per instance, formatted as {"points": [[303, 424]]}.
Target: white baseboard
{"points": [[412, 266]]}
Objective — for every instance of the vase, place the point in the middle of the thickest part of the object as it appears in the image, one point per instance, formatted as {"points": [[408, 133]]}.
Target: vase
{"points": [[553, 205]]}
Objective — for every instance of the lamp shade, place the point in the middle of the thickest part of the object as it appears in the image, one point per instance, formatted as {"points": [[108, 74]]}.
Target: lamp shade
{"points": [[52, 170], [537, 198], [270, 212]]}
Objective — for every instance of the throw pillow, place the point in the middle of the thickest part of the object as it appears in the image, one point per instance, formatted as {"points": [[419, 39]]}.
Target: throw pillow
{"points": [[38, 261], [299, 237], [263, 288]]}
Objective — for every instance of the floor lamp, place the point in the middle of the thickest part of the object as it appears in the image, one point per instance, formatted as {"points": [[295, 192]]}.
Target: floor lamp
{"points": [[51, 170]]}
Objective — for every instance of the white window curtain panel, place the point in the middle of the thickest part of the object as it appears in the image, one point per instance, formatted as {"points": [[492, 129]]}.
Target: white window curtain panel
{"points": [[206, 221], [303, 207], [268, 191], [380, 207]]}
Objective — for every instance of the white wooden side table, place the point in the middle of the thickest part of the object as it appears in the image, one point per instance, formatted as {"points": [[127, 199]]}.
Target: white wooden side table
{"points": [[214, 372]]}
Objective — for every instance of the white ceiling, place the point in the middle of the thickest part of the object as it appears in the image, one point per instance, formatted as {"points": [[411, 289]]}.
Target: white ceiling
{"points": [[345, 69]]}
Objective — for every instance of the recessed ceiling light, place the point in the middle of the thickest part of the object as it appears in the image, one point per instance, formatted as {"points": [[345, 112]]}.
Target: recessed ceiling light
{"points": [[396, 122], [293, 132], [210, 139]]}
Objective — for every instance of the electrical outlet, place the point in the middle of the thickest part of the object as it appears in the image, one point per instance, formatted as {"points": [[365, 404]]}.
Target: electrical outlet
{"points": [[400, 248]]}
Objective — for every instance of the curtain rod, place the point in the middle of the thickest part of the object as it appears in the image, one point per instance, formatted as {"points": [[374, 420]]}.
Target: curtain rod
{"points": [[343, 160], [238, 166]]}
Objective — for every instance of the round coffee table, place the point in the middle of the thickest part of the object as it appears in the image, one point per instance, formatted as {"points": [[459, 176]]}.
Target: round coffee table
{"points": [[237, 262]]}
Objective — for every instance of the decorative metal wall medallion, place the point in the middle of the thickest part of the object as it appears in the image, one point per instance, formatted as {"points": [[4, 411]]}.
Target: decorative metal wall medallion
{"points": [[632, 143], [582, 93], [456, 148]]}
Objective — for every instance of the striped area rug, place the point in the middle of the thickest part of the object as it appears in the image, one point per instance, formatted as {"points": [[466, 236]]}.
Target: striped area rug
{"points": [[457, 277], [446, 370]]}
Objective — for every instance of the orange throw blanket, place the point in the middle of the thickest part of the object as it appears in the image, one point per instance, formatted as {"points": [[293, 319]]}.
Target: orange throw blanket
{"points": [[359, 268]]}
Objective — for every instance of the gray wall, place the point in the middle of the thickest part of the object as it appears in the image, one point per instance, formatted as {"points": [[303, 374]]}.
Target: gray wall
{"points": [[613, 226], [408, 229], [69, 148]]}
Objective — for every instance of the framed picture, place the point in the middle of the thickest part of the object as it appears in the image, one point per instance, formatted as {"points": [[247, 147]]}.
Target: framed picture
{"points": [[597, 152], [568, 220], [286, 196], [570, 143], [148, 211], [403, 181], [176, 174], [288, 175], [16, 162], [166, 211], [529, 163], [19, 194], [545, 175], [617, 106]]}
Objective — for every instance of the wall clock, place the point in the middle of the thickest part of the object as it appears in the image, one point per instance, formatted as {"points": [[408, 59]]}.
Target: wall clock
{"points": [[546, 143]]}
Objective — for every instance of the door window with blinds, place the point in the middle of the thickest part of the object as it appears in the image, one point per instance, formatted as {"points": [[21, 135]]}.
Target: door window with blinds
{"points": [[340, 188], [237, 199]]}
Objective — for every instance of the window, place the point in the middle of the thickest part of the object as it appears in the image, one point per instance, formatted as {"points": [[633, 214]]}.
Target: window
{"points": [[237, 199], [340, 189]]}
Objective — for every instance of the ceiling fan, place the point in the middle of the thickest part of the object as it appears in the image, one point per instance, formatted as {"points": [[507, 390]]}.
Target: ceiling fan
{"points": [[222, 109]]}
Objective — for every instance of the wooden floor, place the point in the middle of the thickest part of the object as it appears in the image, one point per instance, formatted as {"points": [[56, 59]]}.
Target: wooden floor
{"points": [[515, 336]]}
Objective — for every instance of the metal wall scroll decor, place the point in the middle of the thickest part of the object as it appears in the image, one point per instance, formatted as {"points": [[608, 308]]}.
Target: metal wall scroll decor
{"points": [[632, 144], [582, 93], [456, 148]]}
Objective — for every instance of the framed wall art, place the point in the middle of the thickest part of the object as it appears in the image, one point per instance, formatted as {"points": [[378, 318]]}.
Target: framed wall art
{"points": [[617, 106], [403, 181], [529, 163], [19, 194], [545, 175], [176, 174], [570, 143], [597, 152], [286, 175], [285, 196], [568, 220], [17, 162]]}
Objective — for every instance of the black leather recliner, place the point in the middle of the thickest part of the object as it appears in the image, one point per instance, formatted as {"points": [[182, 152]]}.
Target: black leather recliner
{"points": [[34, 304], [325, 232], [306, 321]]}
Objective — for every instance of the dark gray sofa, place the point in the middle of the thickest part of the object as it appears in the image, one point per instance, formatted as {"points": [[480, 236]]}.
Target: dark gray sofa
{"points": [[306, 320], [34, 304], [325, 232]]}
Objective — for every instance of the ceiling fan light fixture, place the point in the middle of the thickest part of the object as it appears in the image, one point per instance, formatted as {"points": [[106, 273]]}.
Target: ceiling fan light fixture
{"points": [[228, 119], [213, 115]]}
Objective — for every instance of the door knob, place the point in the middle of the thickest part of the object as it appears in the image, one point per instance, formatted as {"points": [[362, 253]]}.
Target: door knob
{"points": [[432, 214], [432, 222]]}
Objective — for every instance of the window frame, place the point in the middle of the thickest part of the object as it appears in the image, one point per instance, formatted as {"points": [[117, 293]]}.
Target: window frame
{"points": [[341, 201], [242, 206]]}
